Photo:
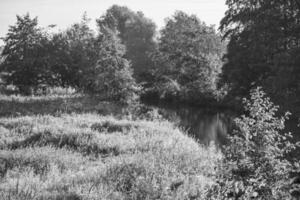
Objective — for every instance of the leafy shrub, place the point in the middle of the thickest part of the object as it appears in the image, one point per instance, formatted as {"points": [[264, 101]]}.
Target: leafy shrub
{"points": [[255, 164]]}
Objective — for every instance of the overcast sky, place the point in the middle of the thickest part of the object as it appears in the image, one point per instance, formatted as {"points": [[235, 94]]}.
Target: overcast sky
{"points": [[65, 12]]}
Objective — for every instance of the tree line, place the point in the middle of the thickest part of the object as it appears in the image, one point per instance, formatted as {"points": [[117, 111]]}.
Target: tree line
{"points": [[124, 55], [77, 57], [257, 45]]}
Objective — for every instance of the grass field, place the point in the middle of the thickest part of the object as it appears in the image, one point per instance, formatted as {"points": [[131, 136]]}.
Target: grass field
{"points": [[67, 147]]}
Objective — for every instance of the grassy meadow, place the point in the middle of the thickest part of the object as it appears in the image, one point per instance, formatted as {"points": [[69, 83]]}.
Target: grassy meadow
{"points": [[76, 147]]}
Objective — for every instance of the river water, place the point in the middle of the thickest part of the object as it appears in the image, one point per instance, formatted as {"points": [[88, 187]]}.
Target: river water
{"points": [[204, 124], [209, 125]]}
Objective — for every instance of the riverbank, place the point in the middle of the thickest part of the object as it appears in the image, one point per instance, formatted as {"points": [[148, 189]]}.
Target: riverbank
{"points": [[234, 105], [51, 150]]}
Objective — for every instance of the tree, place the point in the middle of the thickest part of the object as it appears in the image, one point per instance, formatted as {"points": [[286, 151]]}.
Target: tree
{"points": [[1, 57], [111, 77], [27, 62], [255, 164], [75, 51], [188, 58], [264, 46], [1, 61], [136, 33]]}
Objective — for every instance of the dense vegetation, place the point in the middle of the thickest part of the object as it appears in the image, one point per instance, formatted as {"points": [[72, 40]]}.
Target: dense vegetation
{"points": [[66, 147], [256, 164], [137, 33], [263, 49], [46, 153], [184, 63], [187, 60], [76, 58], [71, 147]]}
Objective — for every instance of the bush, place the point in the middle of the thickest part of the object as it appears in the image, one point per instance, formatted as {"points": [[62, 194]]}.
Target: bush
{"points": [[255, 164]]}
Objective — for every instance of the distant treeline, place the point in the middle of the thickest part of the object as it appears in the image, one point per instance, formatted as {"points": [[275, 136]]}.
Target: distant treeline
{"points": [[183, 62], [258, 45]]}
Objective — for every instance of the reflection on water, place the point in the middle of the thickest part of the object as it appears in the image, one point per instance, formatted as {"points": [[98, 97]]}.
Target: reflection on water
{"points": [[203, 124], [207, 125]]}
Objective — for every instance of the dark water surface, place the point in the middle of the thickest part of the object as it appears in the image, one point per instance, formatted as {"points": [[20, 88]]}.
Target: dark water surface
{"points": [[211, 125], [204, 124]]}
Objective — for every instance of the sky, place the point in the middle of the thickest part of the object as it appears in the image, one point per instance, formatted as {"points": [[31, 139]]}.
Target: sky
{"points": [[63, 13]]}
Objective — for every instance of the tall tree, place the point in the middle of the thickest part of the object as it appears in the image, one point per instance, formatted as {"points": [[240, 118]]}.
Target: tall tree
{"points": [[1, 57], [136, 33], [1, 61], [264, 47], [188, 58], [75, 51], [27, 62], [111, 77]]}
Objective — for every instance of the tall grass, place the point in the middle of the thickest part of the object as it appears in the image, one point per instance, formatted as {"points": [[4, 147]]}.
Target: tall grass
{"points": [[85, 155], [16, 105]]}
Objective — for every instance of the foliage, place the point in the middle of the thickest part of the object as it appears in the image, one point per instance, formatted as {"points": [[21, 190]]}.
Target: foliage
{"points": [[263, 48], [136, 33], [88, 156], [73, 58], [27, 63], [94, 64], [1, 56], [255, 164], [76, 50], [111, 77], [188, 58]]}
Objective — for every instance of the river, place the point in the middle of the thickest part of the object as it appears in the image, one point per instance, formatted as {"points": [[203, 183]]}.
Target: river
{"points": [[209, 125], [206, 125]]}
